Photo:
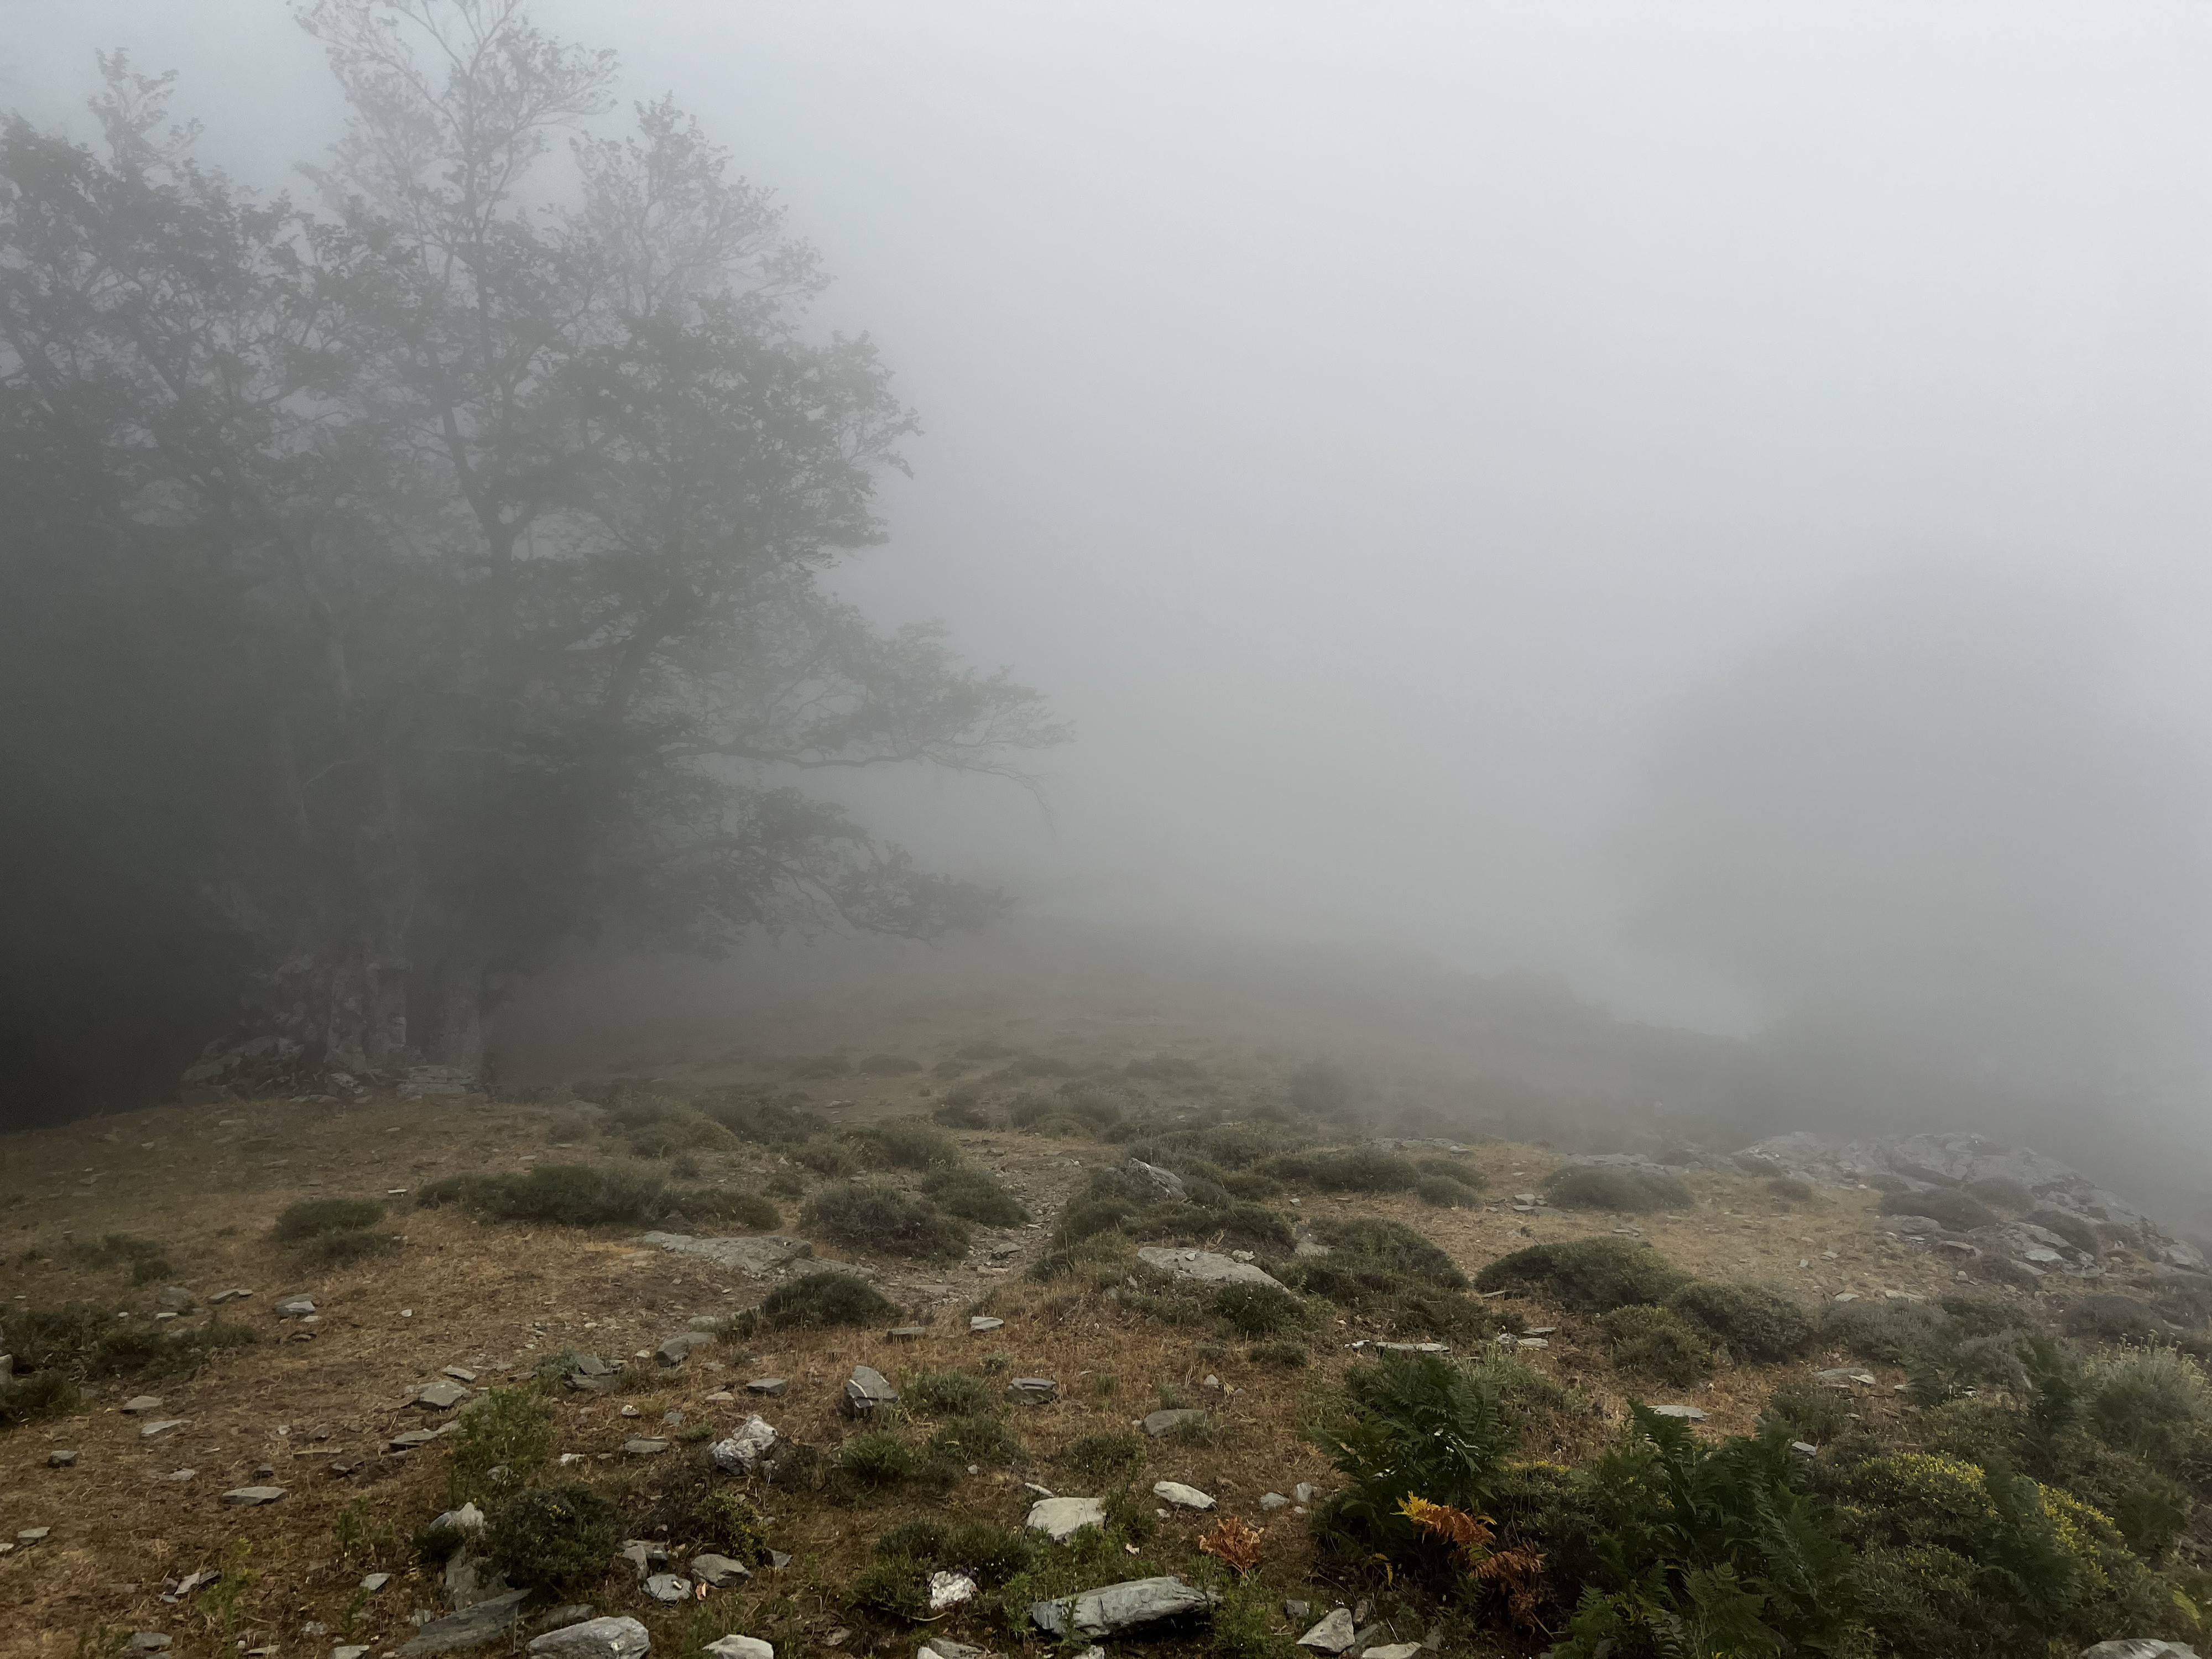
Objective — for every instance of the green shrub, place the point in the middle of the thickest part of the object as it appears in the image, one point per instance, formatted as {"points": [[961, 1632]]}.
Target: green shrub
{"points": [[337, 1249], [1258, 1309], [877, 1219], [1104, 1457], [1361, 1170], [974, 1195], [503, 1440], [1806, 1412], [86, 1343], [2003, 1193], [724, 1205], [962, 1113], [1420, 1425], [1953, 1209], [764, 1122], [1615, 1187], [26, 1398], [1657, 1343], [315, 1218], [1887, 1333], [2071, 1228], [956, 1393], [1589, 1275], [1452, 1169], [2153, 1401], [1442, 1193], [876, 1457], [905, 1144], [672, 1132], [561, 1194], [1394, 1245], [1758, 1322], [827, 1158], [729, 1523], [548, 1537], [897, 1587], [1283, 1356], [821, 1300], [1401, 1305], [2110, 1317], [974, 1439], [147, 1262]]}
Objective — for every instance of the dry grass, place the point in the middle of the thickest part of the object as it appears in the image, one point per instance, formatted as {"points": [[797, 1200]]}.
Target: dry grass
{"points": [[207, 1183]]}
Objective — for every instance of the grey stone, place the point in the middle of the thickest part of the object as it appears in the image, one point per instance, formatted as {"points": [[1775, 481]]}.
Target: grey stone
{"points": [[1206, 1267], [1844, 1374], [1295, 1611], [668, 1587], [375, 1582], [442, 1395], [2140, 1647], [1391, 1650], [472, 1628], [943, 1647], [59, 1459], [412, 1439], [295, 1307], [1183, 1496], [232, 1295], [741, 1452], [755, 1256], [907, 1333], [983, 1324], [460, 1373], [1332, 1635], [774, 1387], [950, 1589], [139, 1404], [1032, 1391], [568, 1613], [1417, 1347], [249, 1496], [1115, 1607], [1061, 1518], [1160, 1423], [1167, 1182], [590, 1365], [1688, 1413], [148, 1641], [741, 1647], [643, 1554], [675, 1350], [468, 1521], [161, 1426], [777, 1560], [1274, 1500], [175, 1297], [1804, 1449], [641, 1447], [867, 1389], [471, 1580], [1302, 1491], [719, 1571], [594, 1639]]}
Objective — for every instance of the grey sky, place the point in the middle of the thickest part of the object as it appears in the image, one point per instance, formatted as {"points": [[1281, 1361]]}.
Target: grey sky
{"points": [[1368, 420]]}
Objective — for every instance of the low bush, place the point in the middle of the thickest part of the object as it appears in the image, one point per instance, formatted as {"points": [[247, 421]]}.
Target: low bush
{"points": [[1394, 1245], [763, 1121], [956, 1393], [827, 1158], [974, 1439], [2109, 1317], [1814, 1414], [562, 1195], [316, 1218], [974, 1195], [25, 1398], [1399, 1305], [1756, 1321], [670, 1131], [1887, 1333], [1453, 1168], [824, 1301], [551, 1537], [1258, 1309], [337, 1249], [1418, 1424], [1615, 1187], [1104, 1457], [1957, 1211], [1589, 1275], [2071, 1228], [1657, 1343], [962, 1114], [905, 1144], [1360, 1169], [897, 1588], [2153, 1401], [85, 1343], [729, 1523], [1447, 1193], [877, 1219], [1285, 1356], [503, 1440], [145, 1258], [876, 1457], [1234, 1146]]}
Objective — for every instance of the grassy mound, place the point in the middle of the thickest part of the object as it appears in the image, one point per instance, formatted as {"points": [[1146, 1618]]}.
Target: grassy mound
{"points": [[820, 1301], [1590, 1275], [1756, 1321], [1361, 1170], [579, 1196], [975, 1195], [877, 1219], [1955, 1210], [1657, 1343], [1617, 1187]]}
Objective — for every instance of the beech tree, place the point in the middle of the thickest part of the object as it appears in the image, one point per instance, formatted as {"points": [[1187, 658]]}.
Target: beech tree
{"points": [[499, 492]]}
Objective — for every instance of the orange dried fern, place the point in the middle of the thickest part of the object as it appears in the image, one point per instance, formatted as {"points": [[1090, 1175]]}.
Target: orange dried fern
{"points": [[1233, 1544]]}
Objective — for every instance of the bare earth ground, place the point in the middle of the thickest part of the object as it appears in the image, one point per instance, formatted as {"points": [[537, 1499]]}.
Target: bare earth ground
{"points": [[207, 1182]]}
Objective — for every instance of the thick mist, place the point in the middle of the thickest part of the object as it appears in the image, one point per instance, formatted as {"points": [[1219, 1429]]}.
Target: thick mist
{"points": [[1706, 506]]}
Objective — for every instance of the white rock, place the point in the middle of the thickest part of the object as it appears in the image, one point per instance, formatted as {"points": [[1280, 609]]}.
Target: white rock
{"points": [[1061, 1518], [1688, 1413], [1391, 1650], [755, 1256], [741, 1453], [595, 1638], [1183, 1496], [950, 1589], [1113, 1607], [1274, 1500], [1206, 1267], [741, 1647], [1332, 1635]]}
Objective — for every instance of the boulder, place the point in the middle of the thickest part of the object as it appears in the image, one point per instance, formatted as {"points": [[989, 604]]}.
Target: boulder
{"points": [[1206, 1267], [1061, 1518], [720, 1570], [675, 1350], [1160, 1423], [1166, 1183], [1113, 1608], [1182, 1496], [755, 1256], [595, 1638], [867, 1389], [1332, 1635], [485, 1622], [295, 1307]]}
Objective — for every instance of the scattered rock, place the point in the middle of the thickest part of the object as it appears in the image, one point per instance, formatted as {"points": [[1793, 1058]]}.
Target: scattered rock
{"points": [[741, 1647], [773, 1387], [1116, 1607], [777, 1560], [980, 1323], [1295, 1611], [1032, 1391], [1206, 1267], [148, 1641], [720, 1570], [139, 1404], [1417, 1347], [1183, 1496], [1061, 1518], [180, 1475], [1332, 1635], [295, 1307], [643, 1554], [1160, 1423], [675, 1350], [175, 1297], [1274, 1500], [155, 1429], [231, 1295], [248, 1497], [468, 1521], [867, 1389], [412, 1439], [757, 1257], [375, 1582], [1302, 1491], [460, 1373], [1392, 1651], [1844, 1374], [594, 1639], [950, 1589], [470, 1628], [441, 1396], [1688, 1413], [641, 1447], [61, 1459], [1167, 1182], [668, 1587], [741, 1451], [471, 1580], [1804, 1449]]}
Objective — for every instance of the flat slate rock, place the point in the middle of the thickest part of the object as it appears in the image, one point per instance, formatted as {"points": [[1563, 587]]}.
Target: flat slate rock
{"points": [[248, 1497], [59, 1459], [981, 1324], [675, 1350], [642, 1447], [719, 1571], [1032, 1391], [594, 1639], [774, 1387], [1113, 1608], [1160, 1423], [161, 1426], [741, 1647], [139, 1404], [295, 1307], [668, 1587], [1206, 1267], [442, 1395], [1333, 1634], [1391, 1650], [1060, 1518], [867, 1388], [2140, 1647], [1687, 1413], [485, 1622], [1183, 1496], [758, 1256], [148, 1641]]}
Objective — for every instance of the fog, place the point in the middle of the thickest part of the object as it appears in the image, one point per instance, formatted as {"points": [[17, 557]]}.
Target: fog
{"points": [[1704, 505]]}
